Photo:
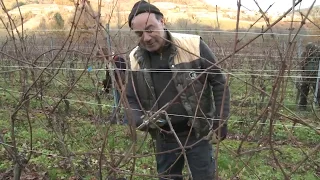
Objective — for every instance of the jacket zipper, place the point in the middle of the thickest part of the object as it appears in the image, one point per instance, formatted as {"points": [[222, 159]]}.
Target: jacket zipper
{"points": [[149, 87]]}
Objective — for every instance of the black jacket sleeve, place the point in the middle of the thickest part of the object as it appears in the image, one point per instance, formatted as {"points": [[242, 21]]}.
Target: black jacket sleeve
{"points": [[304, 60], [217, 81], [134, 106]]}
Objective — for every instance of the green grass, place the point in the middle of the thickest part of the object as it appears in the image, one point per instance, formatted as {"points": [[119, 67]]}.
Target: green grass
{"points": [[262, 163], [68, 144], [85, 138]]}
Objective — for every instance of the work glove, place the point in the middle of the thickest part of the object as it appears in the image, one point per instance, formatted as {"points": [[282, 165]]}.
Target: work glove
{"points": [[156, 122]]}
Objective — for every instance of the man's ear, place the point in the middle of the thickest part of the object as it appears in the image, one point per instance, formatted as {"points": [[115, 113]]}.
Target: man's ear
{"points": [[162, 20]]}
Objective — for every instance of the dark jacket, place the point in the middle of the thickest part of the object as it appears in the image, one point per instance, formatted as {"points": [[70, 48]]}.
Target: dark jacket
{"points": [[209, 88], [120, 65], [310, 63]]}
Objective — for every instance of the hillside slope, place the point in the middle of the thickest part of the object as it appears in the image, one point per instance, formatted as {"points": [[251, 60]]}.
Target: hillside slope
{"points": [[179, 14]]}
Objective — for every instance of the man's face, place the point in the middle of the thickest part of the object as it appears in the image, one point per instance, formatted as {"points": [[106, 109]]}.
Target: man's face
{"points": [[150, 31]]}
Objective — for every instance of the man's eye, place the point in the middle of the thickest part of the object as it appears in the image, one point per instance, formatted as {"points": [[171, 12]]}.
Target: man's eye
{"points": [[149, 31], [139, 34]]}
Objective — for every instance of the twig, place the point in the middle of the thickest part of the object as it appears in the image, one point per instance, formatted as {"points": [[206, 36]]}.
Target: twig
{"points": [[183, 150], [256, 151]]}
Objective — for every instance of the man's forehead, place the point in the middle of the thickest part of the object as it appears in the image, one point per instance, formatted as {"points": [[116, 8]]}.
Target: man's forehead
{"points": [[143, 20], [142, 28]]}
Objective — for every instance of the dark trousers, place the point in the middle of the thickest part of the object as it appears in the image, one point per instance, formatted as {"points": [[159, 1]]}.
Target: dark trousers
{"points": [[116, 109], [304, 92], [170, 164]]}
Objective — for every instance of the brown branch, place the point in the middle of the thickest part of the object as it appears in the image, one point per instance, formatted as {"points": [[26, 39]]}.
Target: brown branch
{"points": [[316, 25], [183, 151], [314, 151]]}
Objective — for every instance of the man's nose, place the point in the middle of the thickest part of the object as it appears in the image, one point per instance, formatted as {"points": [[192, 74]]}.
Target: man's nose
{"points": [[146, 37]]}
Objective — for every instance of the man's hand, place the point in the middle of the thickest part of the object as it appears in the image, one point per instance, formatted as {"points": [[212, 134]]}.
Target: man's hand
{"points": [[212, 137], [158, 123], [213, 134], [153, 123]]}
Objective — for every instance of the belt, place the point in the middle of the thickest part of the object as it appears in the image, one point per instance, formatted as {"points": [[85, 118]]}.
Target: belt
{"points": [[162, 136]]}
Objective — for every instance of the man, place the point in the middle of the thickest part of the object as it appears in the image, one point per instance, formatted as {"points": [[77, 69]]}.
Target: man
{"points": [[119, 73], [309, 67], [165, 65], [121, 67]]}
